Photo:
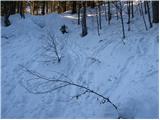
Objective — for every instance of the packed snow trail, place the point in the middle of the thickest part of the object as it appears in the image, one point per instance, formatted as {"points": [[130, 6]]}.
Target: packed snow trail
{"points": [[127, 74]]}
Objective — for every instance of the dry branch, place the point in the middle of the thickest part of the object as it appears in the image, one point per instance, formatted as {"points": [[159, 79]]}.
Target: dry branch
{"points": [[65, 83]]}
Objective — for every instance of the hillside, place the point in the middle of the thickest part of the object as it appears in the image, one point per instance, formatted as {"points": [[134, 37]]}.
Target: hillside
{"points": [[125, 73]]}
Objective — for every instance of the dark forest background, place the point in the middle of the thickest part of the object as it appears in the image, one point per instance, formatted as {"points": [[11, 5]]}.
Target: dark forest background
{"points": [[149, 8]]}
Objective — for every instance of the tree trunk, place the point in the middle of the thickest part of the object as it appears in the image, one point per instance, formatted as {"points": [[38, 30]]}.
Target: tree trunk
{"points": [[109, 13], [149, 16], [84, 24], [7, 13], [92, 4], [79, 8], [105, 11], [32, 10], [155, 11], [143, 16], [145, 7], [51, 6], [64, 6], [97, 21], [43, 8], [21, 10], [132, 9], [128, 15], [99, 14], [74, 7], [139, 7], [122, 20], [13, 7], [46, 7], [116, 10]]}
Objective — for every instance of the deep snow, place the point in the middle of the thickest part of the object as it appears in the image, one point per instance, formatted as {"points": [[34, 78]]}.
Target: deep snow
{"points": [[127, 74]]}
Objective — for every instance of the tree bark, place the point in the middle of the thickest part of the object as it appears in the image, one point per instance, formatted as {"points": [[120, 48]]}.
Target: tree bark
{"points": [[149, 16], [43, 8], [143, 16], [105, 11], [79, 13], [92, 4], [109, 13], [139, 7], [46, 7], [97, 21], [132, 9], [128, 15], [21, 10], [99, 14], [155, 11], [74, 7], [7, 13], [122, 20], [116, 11], [13, 7], [64, 6], [84, 24], [145, 7]]}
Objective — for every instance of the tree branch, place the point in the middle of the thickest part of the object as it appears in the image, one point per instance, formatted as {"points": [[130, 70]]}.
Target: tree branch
{"points": [[66, 83]]}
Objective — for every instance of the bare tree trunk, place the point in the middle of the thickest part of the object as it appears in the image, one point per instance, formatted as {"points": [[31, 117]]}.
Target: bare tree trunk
{"points": [[13, 7], [35, 8], [119, 7], [143, 16], [116, 11], [7, 13], [139, 7], [109, 13], [64, 6], [37, 11], [32, 10], [99, 14], [46, 7], [74, 3], [97, 21], [79, 8], [132, 9], [155, 11], [149, 16], [92, 4], [43, 8], [122, 20], [84, 24], [51, 6], [105, 10], [128, 3], [145, 7], [22, 10]]}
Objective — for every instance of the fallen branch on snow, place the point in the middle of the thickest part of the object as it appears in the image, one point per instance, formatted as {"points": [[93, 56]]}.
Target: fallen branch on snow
{"points": [[63, 83]]}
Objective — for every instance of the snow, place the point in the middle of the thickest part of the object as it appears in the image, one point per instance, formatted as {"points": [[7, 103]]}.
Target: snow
{"points": [[126, 73]]}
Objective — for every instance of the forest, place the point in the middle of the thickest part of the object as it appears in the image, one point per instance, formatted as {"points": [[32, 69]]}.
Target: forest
{"points": [[46, 7], [80, 59]]}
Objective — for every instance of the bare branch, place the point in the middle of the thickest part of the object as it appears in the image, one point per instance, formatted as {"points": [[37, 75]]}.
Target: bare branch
{"points": [[52, 44], [66, 83], [79, 95], [43, 92]]}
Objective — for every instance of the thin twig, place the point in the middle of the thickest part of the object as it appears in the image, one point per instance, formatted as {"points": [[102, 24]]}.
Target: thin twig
{"points": [[77, 96]]}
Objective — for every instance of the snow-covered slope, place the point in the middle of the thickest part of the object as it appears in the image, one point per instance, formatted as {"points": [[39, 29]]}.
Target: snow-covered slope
{"points": [[126, 73]]}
